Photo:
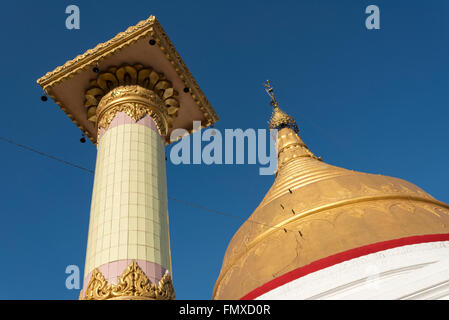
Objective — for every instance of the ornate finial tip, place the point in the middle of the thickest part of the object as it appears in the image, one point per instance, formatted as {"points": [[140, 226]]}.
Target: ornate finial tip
{"points": [[270, 92], [279, 119]]}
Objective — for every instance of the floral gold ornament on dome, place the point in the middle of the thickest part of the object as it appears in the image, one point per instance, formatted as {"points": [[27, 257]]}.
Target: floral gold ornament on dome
{"points": [[127, 75], [132, 285]]}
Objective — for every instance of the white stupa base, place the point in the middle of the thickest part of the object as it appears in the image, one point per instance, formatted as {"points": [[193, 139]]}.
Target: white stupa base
{"points": [[417, 271]]}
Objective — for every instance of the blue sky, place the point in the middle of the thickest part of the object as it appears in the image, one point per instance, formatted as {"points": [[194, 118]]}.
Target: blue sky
{"points": [[373, 101]]}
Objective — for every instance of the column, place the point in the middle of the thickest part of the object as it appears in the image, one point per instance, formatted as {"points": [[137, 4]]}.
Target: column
{"points": [[128, 249]]}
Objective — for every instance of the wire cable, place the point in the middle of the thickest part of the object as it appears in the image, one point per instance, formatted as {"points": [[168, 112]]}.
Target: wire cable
{"points": [[190, 204], [194, 205], [45, 154]]}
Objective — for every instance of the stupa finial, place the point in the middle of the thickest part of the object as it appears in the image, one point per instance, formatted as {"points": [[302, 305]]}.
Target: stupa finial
{"points": [[270, 92], [279, 119]]}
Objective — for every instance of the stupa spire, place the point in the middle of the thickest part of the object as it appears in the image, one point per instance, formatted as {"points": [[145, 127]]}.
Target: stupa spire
{"points": [[289, 144]]}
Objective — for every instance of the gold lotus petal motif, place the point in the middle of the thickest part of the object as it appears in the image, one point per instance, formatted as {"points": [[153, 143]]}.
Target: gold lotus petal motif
{"points": [[107, 81], [127, 75]]}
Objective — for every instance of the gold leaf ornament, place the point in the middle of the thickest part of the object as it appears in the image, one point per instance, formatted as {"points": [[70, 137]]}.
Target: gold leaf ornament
{"points": [[133, 284]]}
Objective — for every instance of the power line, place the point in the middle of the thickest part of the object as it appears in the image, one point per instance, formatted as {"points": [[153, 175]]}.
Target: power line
{"points": [[190, 204], [194, 205], [45, 154]]}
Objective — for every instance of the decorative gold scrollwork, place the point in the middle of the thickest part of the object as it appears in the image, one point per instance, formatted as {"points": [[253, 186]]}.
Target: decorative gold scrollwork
{"points": [[133, 284], [136, 102]]}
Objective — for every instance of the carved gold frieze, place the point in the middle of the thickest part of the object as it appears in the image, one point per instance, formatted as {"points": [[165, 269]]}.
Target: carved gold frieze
{"points": [[133, 284], [136, 102], [127, 75]]}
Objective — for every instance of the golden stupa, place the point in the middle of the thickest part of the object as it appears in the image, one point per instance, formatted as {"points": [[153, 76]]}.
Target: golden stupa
{"points": [[315, 210]]}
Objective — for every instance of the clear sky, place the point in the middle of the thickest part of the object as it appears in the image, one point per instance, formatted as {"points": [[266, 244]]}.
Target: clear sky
{"points": [[369, 100]]}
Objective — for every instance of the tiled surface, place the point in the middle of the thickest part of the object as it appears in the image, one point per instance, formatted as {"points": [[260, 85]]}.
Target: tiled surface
{"points": [[129, 217]]}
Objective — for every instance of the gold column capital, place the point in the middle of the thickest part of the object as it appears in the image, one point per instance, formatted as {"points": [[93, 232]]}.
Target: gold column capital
{"points": [[136, 102]]}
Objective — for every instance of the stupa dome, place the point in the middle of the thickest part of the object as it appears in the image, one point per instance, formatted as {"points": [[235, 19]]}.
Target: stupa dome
{"points": [[315, 211]]}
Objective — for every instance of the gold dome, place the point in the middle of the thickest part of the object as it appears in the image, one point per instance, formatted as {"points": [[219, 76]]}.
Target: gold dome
{"points": [[316, 210]]}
